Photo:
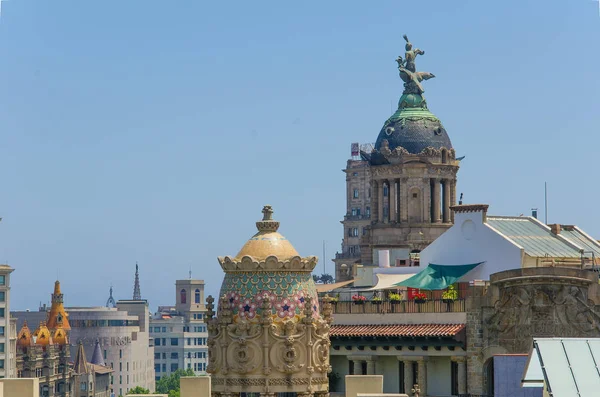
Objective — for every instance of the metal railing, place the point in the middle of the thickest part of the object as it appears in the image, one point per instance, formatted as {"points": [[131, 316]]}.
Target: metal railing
{"points": [[404, 306]]}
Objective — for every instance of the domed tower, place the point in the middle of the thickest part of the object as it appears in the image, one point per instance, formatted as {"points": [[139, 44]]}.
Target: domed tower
{"points": [[270, 335], [413, 171]]}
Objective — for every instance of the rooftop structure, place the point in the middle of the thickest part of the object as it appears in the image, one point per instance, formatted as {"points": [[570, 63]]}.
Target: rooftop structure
{"points": [[268, 336]]}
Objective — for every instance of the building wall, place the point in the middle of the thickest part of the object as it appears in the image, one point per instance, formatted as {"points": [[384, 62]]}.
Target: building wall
{"points": [[469, 240], [180, 338], [508, 372], [7, 359]]}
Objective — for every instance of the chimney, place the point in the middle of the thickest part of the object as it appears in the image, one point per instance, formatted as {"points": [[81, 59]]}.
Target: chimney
{"points": [[555, 228], [534, 212]]}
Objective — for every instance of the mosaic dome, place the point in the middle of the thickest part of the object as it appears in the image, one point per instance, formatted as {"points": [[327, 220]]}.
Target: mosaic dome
{"points": [[269, 268]]}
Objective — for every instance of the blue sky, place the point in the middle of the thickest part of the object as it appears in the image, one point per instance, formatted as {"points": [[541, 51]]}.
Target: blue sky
{"points": [[154, 131]]}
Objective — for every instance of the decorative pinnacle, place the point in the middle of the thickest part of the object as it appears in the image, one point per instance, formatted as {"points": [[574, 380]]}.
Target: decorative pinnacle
{"points": [[267, 225]]}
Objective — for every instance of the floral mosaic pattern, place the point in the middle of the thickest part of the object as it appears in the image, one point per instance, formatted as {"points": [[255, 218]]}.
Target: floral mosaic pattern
{"points": [[286, 291]]}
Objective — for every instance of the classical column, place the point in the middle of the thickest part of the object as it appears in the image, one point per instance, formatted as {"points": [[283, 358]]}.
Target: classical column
{"points": [[357, 364], [427, 200], [403, 199], [452, 198], [380, 200], [462, 373], [422, 363], [371, 366], [408, 374], [435, 199], [392, 200], [446, 200], [375, 202]]}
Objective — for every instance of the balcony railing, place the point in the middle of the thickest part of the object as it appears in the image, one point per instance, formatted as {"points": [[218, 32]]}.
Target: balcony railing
{"points": [[357, 217], [404, 306]]}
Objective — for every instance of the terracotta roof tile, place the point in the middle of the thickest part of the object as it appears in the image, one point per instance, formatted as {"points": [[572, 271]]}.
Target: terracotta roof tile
{"points": [[397, 330]]}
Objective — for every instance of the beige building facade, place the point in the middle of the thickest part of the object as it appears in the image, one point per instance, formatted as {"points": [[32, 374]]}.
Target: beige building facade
{"points": [[7, 327]]}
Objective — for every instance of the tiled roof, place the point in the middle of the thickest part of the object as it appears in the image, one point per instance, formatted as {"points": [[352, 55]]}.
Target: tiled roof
{"points": [[397, 330], [534, 237]]}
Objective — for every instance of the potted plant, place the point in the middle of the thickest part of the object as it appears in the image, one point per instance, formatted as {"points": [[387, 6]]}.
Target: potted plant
{"points": [[376, 300], [358, 299], [394, 297], [420, 297], [450, 294]]}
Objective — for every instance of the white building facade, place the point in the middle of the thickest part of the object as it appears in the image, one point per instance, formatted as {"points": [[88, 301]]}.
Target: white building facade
{"points": [[7, 328], [180, 333]]}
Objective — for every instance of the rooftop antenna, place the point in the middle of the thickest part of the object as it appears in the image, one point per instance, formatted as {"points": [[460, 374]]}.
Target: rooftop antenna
{"points": [[546, 202], [190, 272], [324, 257]]}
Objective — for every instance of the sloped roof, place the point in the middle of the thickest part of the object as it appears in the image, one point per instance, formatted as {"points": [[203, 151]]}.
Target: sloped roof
{"points": [[535, 237], [97, 355], [568, 366], [80, 366], [397, 330], [582, 239]]}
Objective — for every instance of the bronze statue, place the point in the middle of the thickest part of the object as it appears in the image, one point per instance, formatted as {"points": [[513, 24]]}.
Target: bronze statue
{"points": [[408, 70]]}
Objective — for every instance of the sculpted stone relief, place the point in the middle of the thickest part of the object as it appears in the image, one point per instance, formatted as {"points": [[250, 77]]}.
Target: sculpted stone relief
{"points": [[293, 352], [525, 311]]}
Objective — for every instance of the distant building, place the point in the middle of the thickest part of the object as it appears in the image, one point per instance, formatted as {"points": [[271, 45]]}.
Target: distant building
{"points": [[179, 331], [45, 354], [7, 333], [122, 335]]}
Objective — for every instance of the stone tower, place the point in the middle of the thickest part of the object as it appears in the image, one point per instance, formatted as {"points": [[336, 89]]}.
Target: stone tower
{"points": [[412, 172], [270, 335]]}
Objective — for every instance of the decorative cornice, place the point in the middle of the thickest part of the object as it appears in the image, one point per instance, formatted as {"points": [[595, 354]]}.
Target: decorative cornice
{"points": [[470, 208], [271, 263]]}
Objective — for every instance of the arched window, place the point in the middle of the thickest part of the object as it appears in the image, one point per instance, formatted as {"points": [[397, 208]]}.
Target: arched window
{"points": [[444, 156], [183, 296], [197, 296]]}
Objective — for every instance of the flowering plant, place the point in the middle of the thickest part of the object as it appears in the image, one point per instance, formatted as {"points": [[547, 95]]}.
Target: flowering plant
{"points": [[450, 294], [359, 298], [376, 299], [394, 297], [420, 296]]}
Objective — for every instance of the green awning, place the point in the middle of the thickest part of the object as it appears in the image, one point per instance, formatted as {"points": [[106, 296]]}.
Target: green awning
{"points": [[437, 276]]}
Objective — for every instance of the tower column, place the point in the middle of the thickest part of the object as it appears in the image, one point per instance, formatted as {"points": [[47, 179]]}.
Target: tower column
{"points": [[375, 202], [435, 199], [462, 374], [446, 200], [392, 200], [408, 374], [452, 198], [380, 200], [422, 365]]}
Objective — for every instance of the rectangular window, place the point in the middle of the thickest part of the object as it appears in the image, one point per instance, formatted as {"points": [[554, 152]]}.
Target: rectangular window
{"points": [[164, 356], [156, 329], [174, 367], [120, 379], [157, 356], [1, 347], [1, 331], [401, 385], [164, 341], [174, 341], [385, 191], [120, 353], [164, 329], [105, 354], [175, 355], [355, 193], [2, 296], [83, 386], [2, 280], [164, 368], [2, 312], [353, 211], [157, 342], [368, 211], [1, 364], [156, 367]]}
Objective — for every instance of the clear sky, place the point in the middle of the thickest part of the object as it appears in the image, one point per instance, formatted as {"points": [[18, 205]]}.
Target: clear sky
{"points": [[155, 131]]}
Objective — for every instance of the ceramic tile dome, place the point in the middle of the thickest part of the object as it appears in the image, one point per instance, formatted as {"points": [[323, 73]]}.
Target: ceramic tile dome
{"points": [[270, 335], [268, 267]]}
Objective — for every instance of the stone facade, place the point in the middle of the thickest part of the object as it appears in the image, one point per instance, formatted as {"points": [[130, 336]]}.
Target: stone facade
{"points": [[524, 303]]}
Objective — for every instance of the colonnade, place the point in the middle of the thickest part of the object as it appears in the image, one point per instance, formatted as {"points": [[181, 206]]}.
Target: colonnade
{"points": [[435, 197], [409, 370]]}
